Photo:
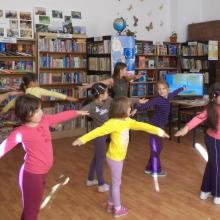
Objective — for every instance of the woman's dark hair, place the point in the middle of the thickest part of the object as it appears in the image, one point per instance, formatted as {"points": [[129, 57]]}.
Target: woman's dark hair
{"points": [[26, 80], [25, 106], [118, 67], [119, 107], [97, 89], [212, 117]]}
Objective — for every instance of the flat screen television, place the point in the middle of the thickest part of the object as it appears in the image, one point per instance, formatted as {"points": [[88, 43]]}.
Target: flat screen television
{"points": [[194, 83]]}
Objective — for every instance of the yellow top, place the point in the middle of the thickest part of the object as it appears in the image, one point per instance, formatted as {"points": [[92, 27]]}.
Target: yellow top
{"points": [[35, 91], [119, 130]]}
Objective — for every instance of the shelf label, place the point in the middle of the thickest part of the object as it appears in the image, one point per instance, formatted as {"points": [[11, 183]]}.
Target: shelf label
{"points": [[98, 38], [192, 43], [12, 40]]}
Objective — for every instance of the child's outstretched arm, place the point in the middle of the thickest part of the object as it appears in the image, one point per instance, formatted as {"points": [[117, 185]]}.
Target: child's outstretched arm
{"points": [[10, 142], [107, 128], [183, 131], [176, 92], [198, 119], [141, 126], [64, 116], [145, 104]]}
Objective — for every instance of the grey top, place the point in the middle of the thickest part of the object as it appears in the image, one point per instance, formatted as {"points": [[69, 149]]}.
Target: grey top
{"points": [[120, 87], [98, 111]]}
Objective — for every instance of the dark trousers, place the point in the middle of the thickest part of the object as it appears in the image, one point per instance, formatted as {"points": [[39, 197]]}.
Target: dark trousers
{"points": [[97, 163], [211, 178], [32, 189], [156, 146]]}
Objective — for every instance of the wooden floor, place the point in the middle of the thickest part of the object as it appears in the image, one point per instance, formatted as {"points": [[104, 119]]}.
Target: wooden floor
{"points": [[178, 198]]}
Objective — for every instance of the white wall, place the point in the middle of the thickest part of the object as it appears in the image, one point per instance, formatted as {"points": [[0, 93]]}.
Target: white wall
{"points": [[210, 10], [98, 15]]}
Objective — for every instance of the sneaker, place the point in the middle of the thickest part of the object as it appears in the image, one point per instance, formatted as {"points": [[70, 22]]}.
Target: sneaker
{"points": [[216, 200], [160, 174], [205, 195], [103, 188], [110, 208], [121, 212], [148, 172], [92, 182]]}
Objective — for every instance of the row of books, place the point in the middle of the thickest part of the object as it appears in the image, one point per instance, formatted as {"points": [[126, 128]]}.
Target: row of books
{"points": [[142, 90], [99, 48], [99, 64], [65, 62], [97, 78], [145, 48], [7, 82], [62, 45], [167, 49], [167, 62], [18, 65], [19, 49], [196, 49], [194, 64], [49, 78], [145, 62]]}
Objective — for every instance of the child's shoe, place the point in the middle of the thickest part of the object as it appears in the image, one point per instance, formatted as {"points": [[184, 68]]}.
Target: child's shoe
{"points": [[92, 182], [110, 208], [205, 195], [103, 188], [216, 200], [148, 172], [121, 212], [160, 174]]}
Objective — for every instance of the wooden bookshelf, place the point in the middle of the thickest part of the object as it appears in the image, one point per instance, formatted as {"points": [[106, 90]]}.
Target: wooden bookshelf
{"points": [[154, 62], [62, 67]]}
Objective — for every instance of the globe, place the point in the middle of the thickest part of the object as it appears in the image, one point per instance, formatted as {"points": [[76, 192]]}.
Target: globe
{"points": [[119, 24]]}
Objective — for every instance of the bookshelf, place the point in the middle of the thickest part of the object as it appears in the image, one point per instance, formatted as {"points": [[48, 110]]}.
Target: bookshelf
{"points": [[16, 59], [98, 58], [194, 58], [154, 62], [62, 68]]}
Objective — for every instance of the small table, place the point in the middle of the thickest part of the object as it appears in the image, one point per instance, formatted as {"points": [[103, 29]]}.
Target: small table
{"points": [[186, 105]]}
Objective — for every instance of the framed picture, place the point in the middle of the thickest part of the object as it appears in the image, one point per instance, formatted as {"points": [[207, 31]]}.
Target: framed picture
{"points": [[44, 19], [25, 16], [1, 14], [57, 14], [76, 14], [40, 11], [11, 14]]}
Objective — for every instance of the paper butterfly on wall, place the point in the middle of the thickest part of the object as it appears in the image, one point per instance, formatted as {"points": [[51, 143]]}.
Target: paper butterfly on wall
{"points": [[141, 0], [130, 7], [150, 27], [161, 23], [161, 7], [135, 21]]}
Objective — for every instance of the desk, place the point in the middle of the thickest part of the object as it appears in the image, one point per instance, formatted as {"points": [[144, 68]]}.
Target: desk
{"points": [[192, 106]]}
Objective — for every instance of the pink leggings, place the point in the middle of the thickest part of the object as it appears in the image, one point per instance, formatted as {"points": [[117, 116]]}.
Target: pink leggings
{"points": [[32, 189]]}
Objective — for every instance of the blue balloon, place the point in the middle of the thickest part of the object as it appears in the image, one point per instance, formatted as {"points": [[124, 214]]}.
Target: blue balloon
{"points": [[119, 24]]}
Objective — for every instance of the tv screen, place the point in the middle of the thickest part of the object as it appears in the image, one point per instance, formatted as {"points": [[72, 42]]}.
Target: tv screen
{"points": [[194, 83]]}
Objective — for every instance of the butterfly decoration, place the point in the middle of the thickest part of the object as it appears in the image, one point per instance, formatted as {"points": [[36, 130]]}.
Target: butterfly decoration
{"points": [[161, 7], [135, 21], [149, 13], [150, 27], [161, 23], [141, 0], [130, 7]]}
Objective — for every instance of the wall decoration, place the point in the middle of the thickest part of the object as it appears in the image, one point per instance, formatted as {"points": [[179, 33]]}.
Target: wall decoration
{"points": [[76, 14], [1, 14], [57, 14], [25, 16], [40, 11], [135, 21], [150, 27], [2, 32], [130, 8], [11, 14], [44, 19], [161, 23], [161, 7]]}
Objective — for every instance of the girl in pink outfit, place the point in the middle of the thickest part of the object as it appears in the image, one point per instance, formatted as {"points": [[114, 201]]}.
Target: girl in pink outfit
{"points": [[35, 137], [211, 179]]}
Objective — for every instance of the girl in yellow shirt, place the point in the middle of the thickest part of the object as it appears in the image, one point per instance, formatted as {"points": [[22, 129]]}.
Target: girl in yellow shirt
{"points": [[118, 126]]}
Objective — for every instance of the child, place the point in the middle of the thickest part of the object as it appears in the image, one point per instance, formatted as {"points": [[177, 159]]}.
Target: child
{"points": [[35, 137], [211, 179], [30, 86], [119, 80], [161, 104], [118, 126], [98, 110]]}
